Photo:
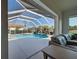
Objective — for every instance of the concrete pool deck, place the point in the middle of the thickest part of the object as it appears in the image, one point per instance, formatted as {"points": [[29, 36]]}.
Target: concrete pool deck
{"points": [[25, 48]]}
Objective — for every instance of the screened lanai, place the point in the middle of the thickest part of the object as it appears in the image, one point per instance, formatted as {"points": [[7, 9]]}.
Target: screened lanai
{"points": [[37, 12], [21, 15], [35, 19], [19, 10], [33, 24]]}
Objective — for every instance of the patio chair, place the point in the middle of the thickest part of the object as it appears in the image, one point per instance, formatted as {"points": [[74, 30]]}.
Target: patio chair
{"points": [[61, 40], [74, 37], [71, 39]]}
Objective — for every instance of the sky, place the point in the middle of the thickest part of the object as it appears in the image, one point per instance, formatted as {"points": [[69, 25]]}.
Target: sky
{"points": [[73, 21], [13, 5]]}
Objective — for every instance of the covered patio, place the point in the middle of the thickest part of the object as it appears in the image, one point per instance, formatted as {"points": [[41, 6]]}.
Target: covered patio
{"points": [[36, 13]]}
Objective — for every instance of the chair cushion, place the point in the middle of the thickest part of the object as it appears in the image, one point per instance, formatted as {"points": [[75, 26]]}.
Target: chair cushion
{"points": [[67, 37], [60, 39]]}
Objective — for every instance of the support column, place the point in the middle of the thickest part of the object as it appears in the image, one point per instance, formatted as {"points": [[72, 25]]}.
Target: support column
{"points": [[58, 25], [4, 29], [65, 24]]}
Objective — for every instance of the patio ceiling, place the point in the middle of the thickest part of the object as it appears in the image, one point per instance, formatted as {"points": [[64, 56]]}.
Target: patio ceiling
{"points": [[61, 5], [54, 5]]}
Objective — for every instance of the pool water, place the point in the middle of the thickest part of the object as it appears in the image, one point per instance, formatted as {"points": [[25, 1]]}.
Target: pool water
{"points": [[31, 36]]}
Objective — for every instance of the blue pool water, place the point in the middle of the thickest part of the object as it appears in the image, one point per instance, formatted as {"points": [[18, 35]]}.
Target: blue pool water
{"points": [[31, 36]]}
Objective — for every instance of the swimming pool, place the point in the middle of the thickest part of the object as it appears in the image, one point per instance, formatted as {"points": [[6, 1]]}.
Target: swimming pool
{"points": [[31, 36]]}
